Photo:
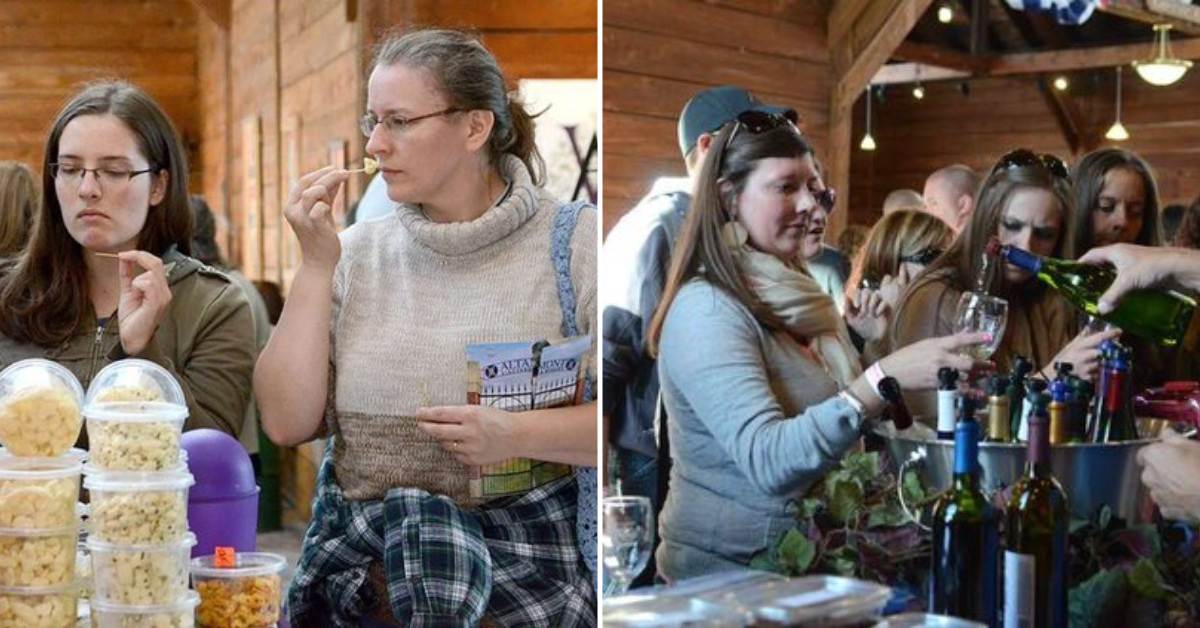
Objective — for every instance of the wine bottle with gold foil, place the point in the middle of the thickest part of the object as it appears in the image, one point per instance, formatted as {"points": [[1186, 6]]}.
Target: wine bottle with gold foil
{"points": [[1035, 537], [1059, 411], [999, 430]]}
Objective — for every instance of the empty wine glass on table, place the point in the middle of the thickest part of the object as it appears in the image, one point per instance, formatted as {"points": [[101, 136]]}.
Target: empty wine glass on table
{"points": [[978, 312], [626, 540]]}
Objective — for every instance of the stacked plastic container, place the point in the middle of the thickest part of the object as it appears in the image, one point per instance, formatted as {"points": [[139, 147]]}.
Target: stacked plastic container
{"points": [[40, 420], [138, 486]]}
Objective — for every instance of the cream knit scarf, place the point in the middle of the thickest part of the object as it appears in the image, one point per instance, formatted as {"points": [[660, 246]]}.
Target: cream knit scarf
{"points": [[806, 311]]}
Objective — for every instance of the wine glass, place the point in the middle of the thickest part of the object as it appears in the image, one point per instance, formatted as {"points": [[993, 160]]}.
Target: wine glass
{"points": [[626, 539], [979, 312]]}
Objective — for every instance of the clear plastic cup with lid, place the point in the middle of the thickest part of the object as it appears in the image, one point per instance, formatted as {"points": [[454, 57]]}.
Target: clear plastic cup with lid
{"points": [[138, 507], [247, 593], [135, 412], [38, 493], [40, 405], [143, 574], [179, 614], [44, 607], [37, 558]]}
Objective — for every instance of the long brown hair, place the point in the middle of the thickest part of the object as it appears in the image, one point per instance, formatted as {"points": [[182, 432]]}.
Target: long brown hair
{"points": [[1188, 234], [470, 78], [43, 293], [700, 245], [896, 235], [18, 201], [1088, 177], [962, 263]]}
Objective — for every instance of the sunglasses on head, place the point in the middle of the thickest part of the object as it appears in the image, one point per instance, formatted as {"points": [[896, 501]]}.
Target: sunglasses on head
{"points": [[757, 122], [1025, 158], [923, 257]]}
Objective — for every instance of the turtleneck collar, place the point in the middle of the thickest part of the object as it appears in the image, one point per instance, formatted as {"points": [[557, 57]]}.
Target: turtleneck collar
{"points": [[460, 238]]}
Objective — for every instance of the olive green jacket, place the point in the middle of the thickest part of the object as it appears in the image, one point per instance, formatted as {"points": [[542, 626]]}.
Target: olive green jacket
{"points": [[206, 340]]}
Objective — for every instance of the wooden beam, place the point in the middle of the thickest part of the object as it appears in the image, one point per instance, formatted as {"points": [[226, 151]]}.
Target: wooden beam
{"points": [[979, 27], [912, 72], [1189, 13], [1084, 58], [219, 11], [880, 46], [1079, 137], [1139, 11], [842, 16], [942, 57]]}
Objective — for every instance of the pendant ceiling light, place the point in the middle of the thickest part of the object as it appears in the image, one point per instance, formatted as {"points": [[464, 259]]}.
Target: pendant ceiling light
{"points": [[1162, 68], [1117, 132], [868, 142]]}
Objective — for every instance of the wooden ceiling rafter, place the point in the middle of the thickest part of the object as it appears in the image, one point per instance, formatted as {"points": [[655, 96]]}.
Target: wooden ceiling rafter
{"points": [[219, 11], [1183, 18]]}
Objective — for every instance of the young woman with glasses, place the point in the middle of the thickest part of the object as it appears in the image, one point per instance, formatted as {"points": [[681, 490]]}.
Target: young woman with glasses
{"points": [[764, 390], [106, 273], [1026, 202], [371, 351]]}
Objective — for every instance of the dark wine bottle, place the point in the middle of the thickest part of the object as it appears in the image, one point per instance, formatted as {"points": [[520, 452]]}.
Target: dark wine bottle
{"points": [[1021, 367], [999, 430], [1163, 316], [1035, 538], [896, 410], [947, 396], [1080, 401], [963, 577], [1116, 420]]}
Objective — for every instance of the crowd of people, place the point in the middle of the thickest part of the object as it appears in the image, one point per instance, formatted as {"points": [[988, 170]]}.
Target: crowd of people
{"points": [[370, 347], [797, 334]]}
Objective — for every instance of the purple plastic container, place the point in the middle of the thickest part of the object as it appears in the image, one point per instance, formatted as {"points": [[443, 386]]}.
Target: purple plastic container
{"points": [[223, 504]]}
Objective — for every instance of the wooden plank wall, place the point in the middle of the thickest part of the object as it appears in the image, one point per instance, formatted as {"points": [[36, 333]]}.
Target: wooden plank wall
{"points": [[658, 53], [48, 48], [917, 137]]}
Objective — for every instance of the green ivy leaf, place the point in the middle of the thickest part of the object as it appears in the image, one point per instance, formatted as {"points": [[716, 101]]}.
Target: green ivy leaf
{"points": [[845, 496], [796, 552], [1147, 581], [1092, 598], [912, 488], [887, 514], [863, 467], [762, 561], [843, 560], [809, 507]]}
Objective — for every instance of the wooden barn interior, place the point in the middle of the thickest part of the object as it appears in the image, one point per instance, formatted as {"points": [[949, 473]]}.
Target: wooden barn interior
{"points": [[988, 72]]}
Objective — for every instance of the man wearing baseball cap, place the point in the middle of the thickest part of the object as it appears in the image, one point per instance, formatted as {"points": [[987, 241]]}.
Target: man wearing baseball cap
{"points": [[636, 255]]}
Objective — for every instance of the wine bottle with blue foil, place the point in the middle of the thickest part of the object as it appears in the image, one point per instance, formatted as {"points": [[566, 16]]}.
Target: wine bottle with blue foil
{"points": [[1035, 537], [966, 539], [1163, 316]]}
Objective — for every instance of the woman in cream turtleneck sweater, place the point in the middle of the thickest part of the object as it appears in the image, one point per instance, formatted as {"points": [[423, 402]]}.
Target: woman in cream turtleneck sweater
{"points": [[370, 350]]}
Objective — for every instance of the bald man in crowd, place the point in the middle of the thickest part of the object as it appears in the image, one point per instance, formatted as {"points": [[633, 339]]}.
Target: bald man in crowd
{"points": [[950, 195]]}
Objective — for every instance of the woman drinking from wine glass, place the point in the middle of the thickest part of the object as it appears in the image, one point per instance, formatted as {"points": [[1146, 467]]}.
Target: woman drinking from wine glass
{"points": [[777, 394], [1025, 202]]}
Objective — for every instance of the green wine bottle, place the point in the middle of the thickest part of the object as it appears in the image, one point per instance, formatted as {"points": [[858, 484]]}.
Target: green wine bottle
{"points": [[1163, 316], [966, 537], [1035, 538]]}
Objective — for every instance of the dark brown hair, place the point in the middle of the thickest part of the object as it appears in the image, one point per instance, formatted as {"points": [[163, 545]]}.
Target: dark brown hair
{"points": [[1088, 178], [700, 245], [1188, 234], [470, 78], [43, 293], [18, 202]]}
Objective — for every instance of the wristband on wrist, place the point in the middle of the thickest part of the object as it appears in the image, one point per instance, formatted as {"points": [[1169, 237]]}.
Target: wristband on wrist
{"points": [[853, 402]]}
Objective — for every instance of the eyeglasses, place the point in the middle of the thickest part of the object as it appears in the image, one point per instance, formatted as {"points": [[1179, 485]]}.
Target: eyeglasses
{"points": [[109, 176], [1025, 158], [923, 257], [757, 122], [395, 125]]}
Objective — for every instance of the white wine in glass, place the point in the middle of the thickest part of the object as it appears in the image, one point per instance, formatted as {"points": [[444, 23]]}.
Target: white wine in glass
{"points": [[978, 312]]}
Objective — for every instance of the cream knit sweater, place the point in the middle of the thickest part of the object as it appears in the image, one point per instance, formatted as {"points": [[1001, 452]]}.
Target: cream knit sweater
{"points": [[409, 295]]}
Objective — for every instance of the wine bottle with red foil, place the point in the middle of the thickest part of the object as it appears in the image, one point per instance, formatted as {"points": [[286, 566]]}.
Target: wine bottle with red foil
{"points": [[1035, 538], [966, 538], [1163, 316], [1116, 420]]}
